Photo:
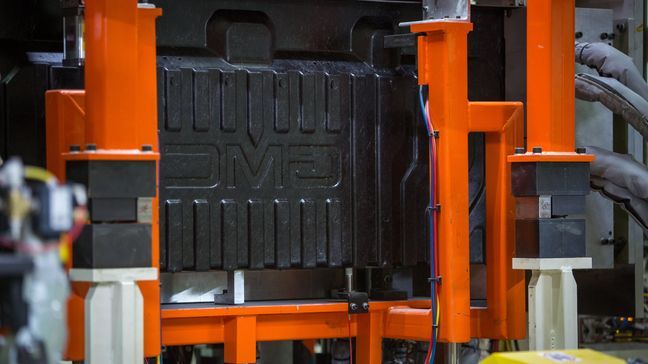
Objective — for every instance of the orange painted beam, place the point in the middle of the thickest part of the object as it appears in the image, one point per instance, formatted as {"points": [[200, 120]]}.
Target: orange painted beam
{"points": [[240, 341], [492, 117], [302, 321], [551, 157], [550, 75], [369, 337], [443, 66], [408, 323], [504, 317]]}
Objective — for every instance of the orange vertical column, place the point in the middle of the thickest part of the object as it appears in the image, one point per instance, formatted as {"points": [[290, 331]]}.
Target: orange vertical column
{"points": [[240, 340], [111, 73], [369, 338], [550, 75], [443, 66]]}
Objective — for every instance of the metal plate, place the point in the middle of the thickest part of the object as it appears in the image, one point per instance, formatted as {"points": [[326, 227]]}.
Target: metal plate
{"points": [[446, 9], [191, 287]]}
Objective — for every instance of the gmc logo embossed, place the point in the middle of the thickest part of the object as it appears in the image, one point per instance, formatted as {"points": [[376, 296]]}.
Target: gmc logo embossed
{"points": [[236, 166]]}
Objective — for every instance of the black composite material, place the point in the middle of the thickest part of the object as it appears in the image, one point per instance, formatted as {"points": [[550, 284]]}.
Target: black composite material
{"points": [[289, 136]]}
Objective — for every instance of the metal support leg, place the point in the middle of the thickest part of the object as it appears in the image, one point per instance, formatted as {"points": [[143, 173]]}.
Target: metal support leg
{"points": [[369, 338], [452, 353], [240, 340], [114, 314], [114, 330], [553, 302]]}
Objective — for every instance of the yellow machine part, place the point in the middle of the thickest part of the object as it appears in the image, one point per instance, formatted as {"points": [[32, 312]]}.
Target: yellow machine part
{"points": [[583, 356]]}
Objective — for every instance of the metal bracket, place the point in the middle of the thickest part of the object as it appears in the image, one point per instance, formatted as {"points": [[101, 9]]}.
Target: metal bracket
{"points": [[358, 302], [446, 9], [401, 40], [235, 293]]}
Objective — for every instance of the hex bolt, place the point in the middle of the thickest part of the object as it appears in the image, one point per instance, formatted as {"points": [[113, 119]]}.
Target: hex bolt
{"points": [[520, 150], [578, 35], [353, 306], [604, 36], [75, 148], [91, 147], [365, 306], [537, 150]]}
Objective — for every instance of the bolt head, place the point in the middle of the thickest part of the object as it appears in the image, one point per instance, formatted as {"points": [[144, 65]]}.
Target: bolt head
{"points": [[91, 147], [365, 306], [353, 306]]}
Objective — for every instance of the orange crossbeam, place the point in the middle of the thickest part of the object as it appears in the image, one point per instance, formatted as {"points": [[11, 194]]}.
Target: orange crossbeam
{"points": [[289, 321]]}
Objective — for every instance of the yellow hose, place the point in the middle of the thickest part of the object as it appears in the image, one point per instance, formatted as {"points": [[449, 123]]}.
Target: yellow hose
{"points": [[39, 174]]}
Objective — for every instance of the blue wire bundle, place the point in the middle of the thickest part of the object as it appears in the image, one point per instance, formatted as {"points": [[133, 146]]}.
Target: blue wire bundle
{"points": [[431, 206]]}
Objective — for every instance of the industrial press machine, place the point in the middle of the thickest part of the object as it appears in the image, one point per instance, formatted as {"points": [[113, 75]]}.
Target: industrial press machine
{"points": [[367, 181]]}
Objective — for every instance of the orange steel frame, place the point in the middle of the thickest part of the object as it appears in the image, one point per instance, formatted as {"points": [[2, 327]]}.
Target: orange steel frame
{"points": [[117, 112], [443, 66]]}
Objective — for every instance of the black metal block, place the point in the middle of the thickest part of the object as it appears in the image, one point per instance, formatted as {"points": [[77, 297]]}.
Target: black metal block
{"points": [[358, 302], [113, 209], [114, 179], [113, 246], [400, 40], [567, 205], [549, 178], [550, 238]]}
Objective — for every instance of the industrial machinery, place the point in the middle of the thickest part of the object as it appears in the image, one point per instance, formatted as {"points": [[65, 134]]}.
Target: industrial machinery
{"points": [[39, 220], [330, 181]]}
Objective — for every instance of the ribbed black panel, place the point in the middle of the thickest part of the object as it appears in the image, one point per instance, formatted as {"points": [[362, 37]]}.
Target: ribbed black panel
{"points": [[288, 169]]}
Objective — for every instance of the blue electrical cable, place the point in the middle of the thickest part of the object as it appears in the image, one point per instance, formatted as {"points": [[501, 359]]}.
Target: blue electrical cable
{"points": [[425, 118], [431, 209]]}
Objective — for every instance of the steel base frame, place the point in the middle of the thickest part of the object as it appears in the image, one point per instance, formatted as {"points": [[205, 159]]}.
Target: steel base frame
{"points": [[240, 327]]}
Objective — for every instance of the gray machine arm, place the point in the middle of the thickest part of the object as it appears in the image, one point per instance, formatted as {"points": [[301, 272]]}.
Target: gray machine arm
{"points": [[610, 62], [621, 89], [616, 97], [623, 180]]}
